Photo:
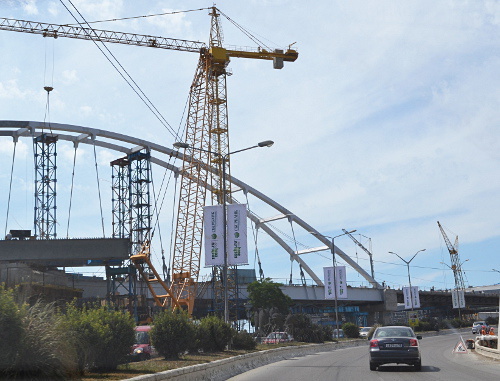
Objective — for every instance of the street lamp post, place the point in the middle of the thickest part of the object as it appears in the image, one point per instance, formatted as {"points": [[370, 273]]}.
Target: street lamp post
{"points": [[454, 268], [224, 158], [408, 266], [334, 276]]}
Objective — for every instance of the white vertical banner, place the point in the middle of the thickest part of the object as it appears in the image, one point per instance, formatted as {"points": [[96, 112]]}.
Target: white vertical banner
{"points": [[407, 297], [237, 234], [329, 290], [454, 298], [416, 296], [213, 222], [458, 298], [341, 282], [461, 298], [412, 299]]}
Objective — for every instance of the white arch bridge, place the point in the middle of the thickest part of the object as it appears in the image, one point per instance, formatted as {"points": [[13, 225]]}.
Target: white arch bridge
{"points": [[161, 155]]}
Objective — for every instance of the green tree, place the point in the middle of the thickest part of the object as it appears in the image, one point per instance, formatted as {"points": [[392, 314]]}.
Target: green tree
{"points": [[303, 329], [173, 333], [267, 294]]}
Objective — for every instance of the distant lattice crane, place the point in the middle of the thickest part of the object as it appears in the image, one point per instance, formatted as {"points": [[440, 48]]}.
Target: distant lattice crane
{"points": [[455, 259], [370, 255]]}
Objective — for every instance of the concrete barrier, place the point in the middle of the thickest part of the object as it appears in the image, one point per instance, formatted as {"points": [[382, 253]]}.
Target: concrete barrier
{"points": [[232, 366], [486, 351]]}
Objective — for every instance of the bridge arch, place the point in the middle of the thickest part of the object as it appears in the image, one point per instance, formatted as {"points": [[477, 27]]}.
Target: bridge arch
{"points": [[120, 143]]}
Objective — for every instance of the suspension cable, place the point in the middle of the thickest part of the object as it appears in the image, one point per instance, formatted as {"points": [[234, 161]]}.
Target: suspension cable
{"points": [[71, 192], [302, 276], [255, 231], [10, 185], [98, 188]]}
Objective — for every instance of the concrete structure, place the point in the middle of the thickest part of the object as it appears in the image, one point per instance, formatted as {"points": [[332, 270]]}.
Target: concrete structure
{"points": [[64, 252]]}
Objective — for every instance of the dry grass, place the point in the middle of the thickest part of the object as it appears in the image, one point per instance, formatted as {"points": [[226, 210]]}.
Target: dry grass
{"points": [[159, 364]]}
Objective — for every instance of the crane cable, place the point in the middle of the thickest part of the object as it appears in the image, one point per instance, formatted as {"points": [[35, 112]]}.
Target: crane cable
{"points": [[245, 32], [123, 74], [10, 185], [144, 16]]}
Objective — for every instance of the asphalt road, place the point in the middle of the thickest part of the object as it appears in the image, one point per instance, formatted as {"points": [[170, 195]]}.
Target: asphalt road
{"points": [[351, 364]]}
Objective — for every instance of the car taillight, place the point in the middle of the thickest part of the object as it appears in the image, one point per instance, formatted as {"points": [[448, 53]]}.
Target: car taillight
{"points": [[413, 343], [373, 343]]}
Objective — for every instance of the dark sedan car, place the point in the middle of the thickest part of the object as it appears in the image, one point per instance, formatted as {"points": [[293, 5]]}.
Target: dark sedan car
{"points": [[395, 345]]}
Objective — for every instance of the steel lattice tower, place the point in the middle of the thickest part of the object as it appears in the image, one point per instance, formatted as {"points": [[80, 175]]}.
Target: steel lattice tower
{"points": [[44, 147], [120, 202], [140, 200]]}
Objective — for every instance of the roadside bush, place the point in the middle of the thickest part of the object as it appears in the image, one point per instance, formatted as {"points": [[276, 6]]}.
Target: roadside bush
{"points": [[490, 320], [427, 325], [213, 334], [351, 330], [243, 340], [173, 333], [11, 330], [101, 337], [326, 332]]}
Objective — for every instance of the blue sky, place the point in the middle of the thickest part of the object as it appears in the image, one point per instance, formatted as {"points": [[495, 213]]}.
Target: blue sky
{"points": [[387, 122]]}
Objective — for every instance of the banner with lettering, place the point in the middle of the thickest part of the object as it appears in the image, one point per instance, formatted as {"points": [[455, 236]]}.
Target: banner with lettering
{"points": [[237, 234], [213, 222], [340, 281]]}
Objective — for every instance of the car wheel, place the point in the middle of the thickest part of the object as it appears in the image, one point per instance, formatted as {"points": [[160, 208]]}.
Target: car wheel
{"points": [[373, 366], [418, 366]]}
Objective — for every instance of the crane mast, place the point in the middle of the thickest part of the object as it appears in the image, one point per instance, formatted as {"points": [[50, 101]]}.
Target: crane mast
{"points": [[370, 255], [206, 130], [455, 259]]}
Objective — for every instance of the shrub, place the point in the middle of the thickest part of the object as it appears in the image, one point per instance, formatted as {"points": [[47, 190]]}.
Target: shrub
{"points": [[243, 340], [351, 330], [327, 332], [101, 337], [213, 334], [490, 320], [11, 330], [173, 333]]}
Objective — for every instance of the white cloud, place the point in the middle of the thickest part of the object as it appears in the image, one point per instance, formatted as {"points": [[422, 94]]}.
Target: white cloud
{"points": [[30, 7]]}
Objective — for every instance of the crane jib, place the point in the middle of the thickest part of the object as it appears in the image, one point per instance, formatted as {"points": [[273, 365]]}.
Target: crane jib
{"points": [[78, 32]]}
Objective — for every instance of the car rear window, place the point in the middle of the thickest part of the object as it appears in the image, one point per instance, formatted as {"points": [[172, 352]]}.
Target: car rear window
{"points": [[394, 332]]}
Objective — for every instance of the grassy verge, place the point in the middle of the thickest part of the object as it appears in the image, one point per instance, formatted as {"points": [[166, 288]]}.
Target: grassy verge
{"points": [[159, 364]]}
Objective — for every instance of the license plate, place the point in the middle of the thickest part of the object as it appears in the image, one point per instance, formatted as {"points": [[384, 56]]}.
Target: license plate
{"points": [[389, 345]]}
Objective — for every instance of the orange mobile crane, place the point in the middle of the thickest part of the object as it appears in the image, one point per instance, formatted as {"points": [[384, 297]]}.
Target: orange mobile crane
{"points": [[206, 130]]}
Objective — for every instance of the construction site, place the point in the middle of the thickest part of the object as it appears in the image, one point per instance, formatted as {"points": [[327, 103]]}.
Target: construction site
{"points": [[136, 274]]}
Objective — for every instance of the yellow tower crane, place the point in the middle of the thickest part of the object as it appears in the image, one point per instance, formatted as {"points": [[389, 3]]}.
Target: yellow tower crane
{"points": [[206, 131]]}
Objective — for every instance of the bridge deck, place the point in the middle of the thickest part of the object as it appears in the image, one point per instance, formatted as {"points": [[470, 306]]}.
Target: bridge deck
{"points": [[65, 252]]}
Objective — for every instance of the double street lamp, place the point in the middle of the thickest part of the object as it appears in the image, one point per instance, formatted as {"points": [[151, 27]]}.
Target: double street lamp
{"points": [[337, 332], [408, 266], [224, 158]]}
